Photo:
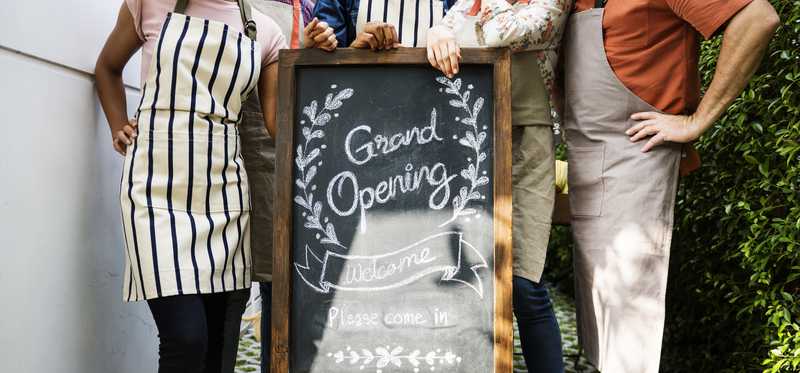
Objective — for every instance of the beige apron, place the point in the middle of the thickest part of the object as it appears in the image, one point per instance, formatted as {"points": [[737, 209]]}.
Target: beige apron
{"points": [[622, 203], [411, 18], [533, 158], [184, 194]]}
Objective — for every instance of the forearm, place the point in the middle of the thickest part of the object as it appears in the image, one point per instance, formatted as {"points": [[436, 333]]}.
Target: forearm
{"points": [[743, 45], [268, 94], [111, 92]]}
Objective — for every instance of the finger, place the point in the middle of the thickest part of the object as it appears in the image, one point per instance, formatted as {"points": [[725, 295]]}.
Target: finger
{"points": [[448, 62], [645, 132], [644, 115], [331, 43], [444, 60], [393, 39], [638, 127], [122, 137], [386, 32], [453, 52], [431, 57], [311, 26], [117, 147], [133, 122], [378, 35], [438, 55], [324, 36], [654, 141], [129, 131], [372, 41], [322, 29]]}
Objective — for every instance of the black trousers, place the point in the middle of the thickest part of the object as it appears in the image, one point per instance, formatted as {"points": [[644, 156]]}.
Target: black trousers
{"points": [[198, 333]]}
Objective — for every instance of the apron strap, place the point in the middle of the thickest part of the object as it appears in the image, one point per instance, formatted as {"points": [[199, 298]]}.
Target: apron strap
{"points": [[244, 9]]}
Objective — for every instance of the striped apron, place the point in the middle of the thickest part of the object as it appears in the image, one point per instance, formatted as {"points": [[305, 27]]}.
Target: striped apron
{"points": [[184, 195], [622, 203], [411, 18]]}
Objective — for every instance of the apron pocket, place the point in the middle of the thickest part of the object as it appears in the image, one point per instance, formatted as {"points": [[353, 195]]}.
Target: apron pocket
{"points": [[586, 187]]}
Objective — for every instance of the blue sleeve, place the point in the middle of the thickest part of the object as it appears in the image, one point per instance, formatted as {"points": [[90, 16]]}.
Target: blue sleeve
{"points": [[337, 15]]}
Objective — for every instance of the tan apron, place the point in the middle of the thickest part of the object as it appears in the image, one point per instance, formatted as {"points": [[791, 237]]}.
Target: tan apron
{"points": [[622, 203], [533, 157]]}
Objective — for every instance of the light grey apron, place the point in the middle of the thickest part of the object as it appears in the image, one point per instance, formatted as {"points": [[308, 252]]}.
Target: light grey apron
{"points": [[622, 203]]}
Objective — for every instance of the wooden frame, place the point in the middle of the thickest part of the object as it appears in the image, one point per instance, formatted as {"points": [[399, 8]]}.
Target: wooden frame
{"points": [[282, 271]]}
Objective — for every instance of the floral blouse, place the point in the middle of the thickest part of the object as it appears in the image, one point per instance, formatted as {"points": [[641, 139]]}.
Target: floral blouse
{"points": [[522, 26]]}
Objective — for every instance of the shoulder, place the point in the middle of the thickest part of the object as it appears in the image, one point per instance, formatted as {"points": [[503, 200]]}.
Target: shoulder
{"points": [[269, 36]]}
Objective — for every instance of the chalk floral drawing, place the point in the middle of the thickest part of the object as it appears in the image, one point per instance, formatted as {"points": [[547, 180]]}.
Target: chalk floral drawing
{"points": [[382, 357], [473, 138], [307, 154]]}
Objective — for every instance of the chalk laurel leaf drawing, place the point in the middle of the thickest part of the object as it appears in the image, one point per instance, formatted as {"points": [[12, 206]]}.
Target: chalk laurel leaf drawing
{"points": [[385, 356], [307, 153], [473, 139]]}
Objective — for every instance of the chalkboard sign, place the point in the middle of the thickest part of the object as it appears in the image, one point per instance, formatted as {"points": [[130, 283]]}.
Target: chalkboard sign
{"points": [[393, 214]]}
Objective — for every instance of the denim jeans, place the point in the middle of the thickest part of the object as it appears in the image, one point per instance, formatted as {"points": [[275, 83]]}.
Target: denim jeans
{"points": [[198, 333], [539, 333], [266, 319]]}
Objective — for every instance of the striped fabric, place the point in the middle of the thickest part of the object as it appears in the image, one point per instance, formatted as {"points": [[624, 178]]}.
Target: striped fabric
{"points": [[184, 194], [411, 18]]}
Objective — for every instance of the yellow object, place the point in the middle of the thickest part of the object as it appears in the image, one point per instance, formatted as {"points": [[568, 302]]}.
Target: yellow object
{"points": [[561, 177], [256, 320]]}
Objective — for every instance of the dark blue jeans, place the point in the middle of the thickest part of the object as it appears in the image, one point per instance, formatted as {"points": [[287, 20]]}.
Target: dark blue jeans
{"points": [[538, 328], [198, 333], [266, 319]]}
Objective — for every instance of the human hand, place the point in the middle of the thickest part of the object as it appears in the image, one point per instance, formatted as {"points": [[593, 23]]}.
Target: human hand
{"points": [[318, 34], [443, 51], [377, 36], [124, 136], [661, 128]]}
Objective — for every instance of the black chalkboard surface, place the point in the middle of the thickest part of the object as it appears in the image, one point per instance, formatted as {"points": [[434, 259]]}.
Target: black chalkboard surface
{"points": [[391, 262]]}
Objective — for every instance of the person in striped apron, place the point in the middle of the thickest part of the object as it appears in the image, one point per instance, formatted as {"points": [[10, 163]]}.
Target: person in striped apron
{"points": [[381, 24], [533, 30], [294, 17], [633, 100], [184, 192]]}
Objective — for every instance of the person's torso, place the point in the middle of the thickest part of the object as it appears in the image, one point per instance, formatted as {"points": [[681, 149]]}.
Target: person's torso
{"points": [[652, 51], [150, 16], [201, 67], [529, 97]]}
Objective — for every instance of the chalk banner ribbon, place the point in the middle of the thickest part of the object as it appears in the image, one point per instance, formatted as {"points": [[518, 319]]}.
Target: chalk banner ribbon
{"points": [[445, 252]]}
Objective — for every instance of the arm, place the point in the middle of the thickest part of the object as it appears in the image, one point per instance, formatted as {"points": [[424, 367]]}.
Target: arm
{"points": [[268, 94], [743, 45], [121, 44]]}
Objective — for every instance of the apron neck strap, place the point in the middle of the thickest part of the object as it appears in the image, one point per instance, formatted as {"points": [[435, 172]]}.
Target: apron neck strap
{"points": [[244, 10]]}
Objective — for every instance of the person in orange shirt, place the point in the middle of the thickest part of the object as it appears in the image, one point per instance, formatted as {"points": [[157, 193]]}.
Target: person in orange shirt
{"points": [[632, 100]]}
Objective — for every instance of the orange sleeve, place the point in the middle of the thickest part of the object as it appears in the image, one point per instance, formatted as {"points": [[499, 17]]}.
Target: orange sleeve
{"points": [[707, 16]]}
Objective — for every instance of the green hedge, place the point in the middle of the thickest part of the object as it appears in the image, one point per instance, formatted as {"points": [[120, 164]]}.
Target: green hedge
{"points": [[733, 303]]}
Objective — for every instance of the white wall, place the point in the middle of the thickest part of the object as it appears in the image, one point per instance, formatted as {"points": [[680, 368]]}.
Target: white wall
{"points": [[61, 244]]}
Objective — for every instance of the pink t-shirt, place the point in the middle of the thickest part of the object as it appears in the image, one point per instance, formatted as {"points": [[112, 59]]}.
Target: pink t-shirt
{"points": [[149, 15]]}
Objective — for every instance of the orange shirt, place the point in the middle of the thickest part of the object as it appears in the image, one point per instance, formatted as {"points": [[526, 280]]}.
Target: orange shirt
{"points": [[653, 45]]}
